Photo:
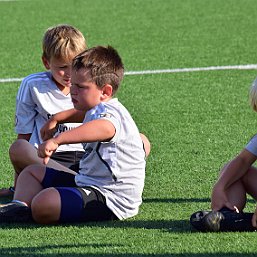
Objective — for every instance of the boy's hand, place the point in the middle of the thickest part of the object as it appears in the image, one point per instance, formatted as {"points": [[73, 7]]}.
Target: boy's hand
{"points": [[219, 200], [48, 130], [46, 149]]}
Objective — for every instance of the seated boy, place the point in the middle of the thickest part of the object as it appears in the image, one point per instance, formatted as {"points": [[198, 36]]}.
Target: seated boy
{"points": [[237, 179], [110, 181], [43, 94]]}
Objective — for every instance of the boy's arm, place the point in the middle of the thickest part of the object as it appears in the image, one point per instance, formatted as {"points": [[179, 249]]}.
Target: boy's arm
{"points": [[232, 172], [72, 115], [93, 131]]}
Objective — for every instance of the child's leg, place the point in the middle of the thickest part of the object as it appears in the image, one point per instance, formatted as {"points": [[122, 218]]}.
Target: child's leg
{"points": [[46, 206], [225, 219], [235, 193], [23, 154], [69, 204], [29, 183], [34, 192], [249, 182]]}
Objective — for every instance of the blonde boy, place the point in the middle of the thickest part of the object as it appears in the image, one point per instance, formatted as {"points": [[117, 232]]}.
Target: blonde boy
{"points": [[229, 194], [44, 94]]}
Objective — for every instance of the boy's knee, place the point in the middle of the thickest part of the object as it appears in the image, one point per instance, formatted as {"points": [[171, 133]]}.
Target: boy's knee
{"points": [[17, 149], [250, 177], [35, 170], [45, 206]]}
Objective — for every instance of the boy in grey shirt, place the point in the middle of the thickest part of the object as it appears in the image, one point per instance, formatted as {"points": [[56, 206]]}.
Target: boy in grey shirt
{"points": [[110, 182]]}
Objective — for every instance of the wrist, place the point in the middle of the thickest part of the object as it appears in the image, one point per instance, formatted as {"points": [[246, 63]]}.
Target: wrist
{"points": [[56, 141], [54, 119]]}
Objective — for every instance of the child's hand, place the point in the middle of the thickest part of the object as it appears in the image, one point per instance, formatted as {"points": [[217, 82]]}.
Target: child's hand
{"points": [[48, 130], [46, 149], [219, 200]]}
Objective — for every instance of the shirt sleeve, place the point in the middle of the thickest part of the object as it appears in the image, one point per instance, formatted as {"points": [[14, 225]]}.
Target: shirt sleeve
{"points": [[110, 116], [252, 145], [25, 110]]}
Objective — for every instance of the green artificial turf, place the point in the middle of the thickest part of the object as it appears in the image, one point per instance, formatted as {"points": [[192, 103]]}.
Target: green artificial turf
{"points": [[196, 121]]}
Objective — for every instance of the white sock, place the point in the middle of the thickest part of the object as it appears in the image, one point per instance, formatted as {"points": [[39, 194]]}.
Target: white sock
{"points": [[20, 202]]}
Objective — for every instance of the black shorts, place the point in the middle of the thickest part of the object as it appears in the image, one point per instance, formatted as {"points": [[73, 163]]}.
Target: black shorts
{"points": [[69, 159], [77, 204]]}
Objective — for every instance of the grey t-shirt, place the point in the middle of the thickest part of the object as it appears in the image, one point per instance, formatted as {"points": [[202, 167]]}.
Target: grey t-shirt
{"points": [[115, 168]]}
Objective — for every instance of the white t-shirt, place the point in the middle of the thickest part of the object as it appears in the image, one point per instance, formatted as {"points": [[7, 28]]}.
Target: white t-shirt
{"points": [[37, 100], [116, 168]]}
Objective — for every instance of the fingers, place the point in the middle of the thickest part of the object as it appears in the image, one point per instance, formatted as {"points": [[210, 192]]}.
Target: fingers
{"points": [[46, 160], [231, 207], [46, 149], [227, 205]]}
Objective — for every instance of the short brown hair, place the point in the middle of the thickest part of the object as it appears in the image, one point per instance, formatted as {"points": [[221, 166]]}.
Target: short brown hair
{"points": [[105, 66], [63, 41]]}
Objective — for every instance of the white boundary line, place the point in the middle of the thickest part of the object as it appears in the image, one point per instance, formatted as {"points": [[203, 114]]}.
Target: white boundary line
{"points": [[211, 68]]}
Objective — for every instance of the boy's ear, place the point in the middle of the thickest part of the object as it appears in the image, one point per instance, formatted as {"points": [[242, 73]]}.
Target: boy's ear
{"points": [[106, 91], [46, 63]]}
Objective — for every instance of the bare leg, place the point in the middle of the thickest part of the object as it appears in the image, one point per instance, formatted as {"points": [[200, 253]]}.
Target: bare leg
{"points": [[45, 203], [23, 154], [250, 182], [46, 206], [237, 195], [246, 185], [29, 183]]}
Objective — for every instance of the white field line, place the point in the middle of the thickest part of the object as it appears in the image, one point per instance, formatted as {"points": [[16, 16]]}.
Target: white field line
{"points": [[211, 68]]}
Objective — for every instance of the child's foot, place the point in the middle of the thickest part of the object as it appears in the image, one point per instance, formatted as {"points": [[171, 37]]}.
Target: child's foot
{"points": [[15, 212], [223, 220]]}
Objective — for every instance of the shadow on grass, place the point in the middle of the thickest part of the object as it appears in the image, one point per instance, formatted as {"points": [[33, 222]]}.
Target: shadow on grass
{"points": [[62, 250], [177, 226], [170, 226], [182, 200], [176, 200]]}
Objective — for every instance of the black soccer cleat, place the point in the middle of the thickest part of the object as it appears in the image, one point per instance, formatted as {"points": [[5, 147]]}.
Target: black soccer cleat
{"points": [[197, 220], [212, 221], [15, 212], [223, 220]]}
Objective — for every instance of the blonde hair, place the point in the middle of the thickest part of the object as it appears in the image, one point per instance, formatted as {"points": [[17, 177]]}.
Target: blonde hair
{"points": [[253, 95], [63, 42]]}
